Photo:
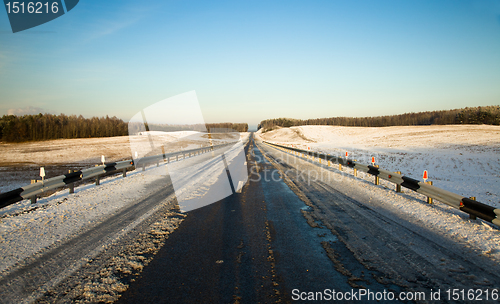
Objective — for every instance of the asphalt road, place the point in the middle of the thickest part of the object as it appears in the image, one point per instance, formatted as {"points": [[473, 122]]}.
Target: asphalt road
{"points": [[263, 245], [251, 247]]}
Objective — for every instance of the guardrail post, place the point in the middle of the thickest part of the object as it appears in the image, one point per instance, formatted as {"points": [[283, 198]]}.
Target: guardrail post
{"points": [[177, 157], [377, 180], [340, 167], [71, 186], [33, 198], [472, 217], [429, 199], [97, 179], [398, 187], [124, 172]]}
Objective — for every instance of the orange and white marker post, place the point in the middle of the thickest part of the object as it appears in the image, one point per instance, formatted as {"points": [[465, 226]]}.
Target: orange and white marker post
{"points": [[340, 164], [377, 180], [42, 173], [425, 176]]}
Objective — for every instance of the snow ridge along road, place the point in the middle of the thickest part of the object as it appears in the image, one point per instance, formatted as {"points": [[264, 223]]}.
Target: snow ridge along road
{"points": [[394, 234]]}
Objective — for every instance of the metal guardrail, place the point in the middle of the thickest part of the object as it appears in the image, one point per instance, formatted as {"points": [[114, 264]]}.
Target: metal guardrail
{"points": [[31, 191], [166, 156], [465, 204]]}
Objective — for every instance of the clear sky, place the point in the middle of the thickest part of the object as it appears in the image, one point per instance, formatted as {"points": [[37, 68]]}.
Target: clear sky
{"points": [[253, 60]]}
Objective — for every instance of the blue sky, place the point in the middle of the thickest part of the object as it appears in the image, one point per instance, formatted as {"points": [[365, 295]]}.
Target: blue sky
{"points": [[253, 60]]}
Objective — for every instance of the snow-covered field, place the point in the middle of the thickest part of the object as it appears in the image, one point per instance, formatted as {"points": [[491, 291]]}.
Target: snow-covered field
{"points": [[21, 162], [464, 159], [60, 151]]}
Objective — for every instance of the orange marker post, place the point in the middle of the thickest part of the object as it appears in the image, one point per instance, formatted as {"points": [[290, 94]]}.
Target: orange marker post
{"points": [[425, 176]]}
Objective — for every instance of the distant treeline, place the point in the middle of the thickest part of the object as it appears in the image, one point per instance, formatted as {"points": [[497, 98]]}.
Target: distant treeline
{"points": [[479, 115], [227, 126], [135, 128], [48, 126]]}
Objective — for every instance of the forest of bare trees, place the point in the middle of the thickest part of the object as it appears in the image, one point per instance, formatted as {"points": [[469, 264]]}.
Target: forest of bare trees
{"points": [[48, 126], [478, 115]]}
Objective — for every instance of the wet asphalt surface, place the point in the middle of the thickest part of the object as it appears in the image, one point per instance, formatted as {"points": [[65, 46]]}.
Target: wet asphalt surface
{"points": [[251, 247]]}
